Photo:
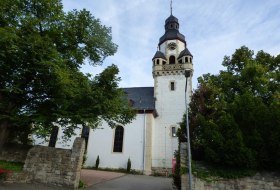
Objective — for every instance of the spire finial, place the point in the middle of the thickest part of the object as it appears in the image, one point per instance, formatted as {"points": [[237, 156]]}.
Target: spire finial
{"points": [[171, 6]]}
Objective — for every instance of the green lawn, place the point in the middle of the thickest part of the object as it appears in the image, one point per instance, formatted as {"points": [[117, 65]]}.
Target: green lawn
{"points": [[13, 166]]}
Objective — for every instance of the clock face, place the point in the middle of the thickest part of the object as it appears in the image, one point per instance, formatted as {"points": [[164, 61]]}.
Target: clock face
{"points": [[172, 46]]}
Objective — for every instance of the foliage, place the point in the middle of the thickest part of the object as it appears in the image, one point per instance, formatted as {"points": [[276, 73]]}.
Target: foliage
{"points": [[177, 172], [12, 166], [42, 50], [213, 173], [3, 173], [82, 184], [84, 157], [7, 167], [128, 167], [97, 162], [235, 115]]}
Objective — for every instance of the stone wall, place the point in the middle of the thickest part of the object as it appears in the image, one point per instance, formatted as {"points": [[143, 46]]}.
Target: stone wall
{"points": [[261, 181], [161, 171], [52, 166], [14, 152]]}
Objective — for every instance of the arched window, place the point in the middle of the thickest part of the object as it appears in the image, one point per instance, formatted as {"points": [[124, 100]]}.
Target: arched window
{"points": [[157, 61], [186, 60], [118, 140], [172, 59]]}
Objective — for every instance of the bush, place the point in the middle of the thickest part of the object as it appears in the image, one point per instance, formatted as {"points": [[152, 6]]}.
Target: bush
{"points": [[84, 158], [7, 167], [97, 162], [177, 172], [128, 165], [82, 185], [14, 166]]}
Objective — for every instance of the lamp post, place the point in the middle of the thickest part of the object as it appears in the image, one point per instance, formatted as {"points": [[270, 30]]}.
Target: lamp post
{"points": [[187, 75]]}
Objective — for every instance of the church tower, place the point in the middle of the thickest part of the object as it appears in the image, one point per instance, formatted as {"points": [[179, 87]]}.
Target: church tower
{"points": [[169, 65]]}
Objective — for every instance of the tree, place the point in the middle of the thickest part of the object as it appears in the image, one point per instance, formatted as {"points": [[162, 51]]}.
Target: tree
{"points": [[41, 51], [234, 116]]}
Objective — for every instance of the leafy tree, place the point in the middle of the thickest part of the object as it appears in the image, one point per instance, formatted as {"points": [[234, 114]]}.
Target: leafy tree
{"points": [[234, 116], [42, 50]]}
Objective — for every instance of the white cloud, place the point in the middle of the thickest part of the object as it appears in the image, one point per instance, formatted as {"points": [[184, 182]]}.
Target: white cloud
{"points": [[213, 29]]}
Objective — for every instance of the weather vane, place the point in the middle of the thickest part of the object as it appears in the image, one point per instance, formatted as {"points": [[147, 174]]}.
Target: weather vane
{"points": [[171, 6]]}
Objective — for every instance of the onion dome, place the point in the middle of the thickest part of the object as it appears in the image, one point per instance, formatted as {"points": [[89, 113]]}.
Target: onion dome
{"points": [[172, 30]]}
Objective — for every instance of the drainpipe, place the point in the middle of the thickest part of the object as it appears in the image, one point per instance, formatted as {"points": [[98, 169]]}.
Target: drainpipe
{"points": [[165, 151], [144, 140]]}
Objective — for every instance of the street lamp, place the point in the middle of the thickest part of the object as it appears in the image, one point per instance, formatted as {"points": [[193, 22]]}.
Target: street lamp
{"points": [[187, 75]]}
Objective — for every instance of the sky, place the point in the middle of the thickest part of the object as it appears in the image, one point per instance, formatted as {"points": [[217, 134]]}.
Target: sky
{"points": [[213, 29]]}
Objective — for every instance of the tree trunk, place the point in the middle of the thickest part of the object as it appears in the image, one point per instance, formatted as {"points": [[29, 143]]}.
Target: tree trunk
{"points": [[4, 133]]}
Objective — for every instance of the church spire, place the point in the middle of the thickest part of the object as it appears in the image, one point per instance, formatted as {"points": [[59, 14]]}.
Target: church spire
{"points": [[171, 7]]}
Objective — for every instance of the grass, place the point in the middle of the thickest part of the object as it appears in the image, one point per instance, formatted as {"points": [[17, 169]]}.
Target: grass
{"points": [[12, 166], [82, 184], [214, 173]]}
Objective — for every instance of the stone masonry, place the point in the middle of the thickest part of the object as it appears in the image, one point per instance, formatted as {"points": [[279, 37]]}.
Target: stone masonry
{"points": [[261, 181], [14, 152], [53, 166]]}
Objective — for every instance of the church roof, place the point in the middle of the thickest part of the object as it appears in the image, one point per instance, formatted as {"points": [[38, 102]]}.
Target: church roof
{"points": [[171, 18], [141, 98], [172, 34], [159, 54], [185, 52], [172, 30]]}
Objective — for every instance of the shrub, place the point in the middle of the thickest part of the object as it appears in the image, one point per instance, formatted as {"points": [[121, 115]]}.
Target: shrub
{"points": [[82, 185], [84, 158], [177, 172], [128, 165], [97, 162], [3, 173], [12, 166]]}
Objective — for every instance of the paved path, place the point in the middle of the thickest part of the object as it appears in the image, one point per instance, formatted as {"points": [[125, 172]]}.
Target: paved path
{"points": [[100, 180], [91, 177], [134, 182]]}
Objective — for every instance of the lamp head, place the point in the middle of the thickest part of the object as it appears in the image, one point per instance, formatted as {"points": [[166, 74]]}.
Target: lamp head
{"points": [[187, 73]]}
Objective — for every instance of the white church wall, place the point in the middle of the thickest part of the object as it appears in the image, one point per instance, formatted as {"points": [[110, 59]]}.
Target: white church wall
{"points": [[39, 141], [148, 144], [101, 141], [61, 142], [67, 144], [171, 107]]}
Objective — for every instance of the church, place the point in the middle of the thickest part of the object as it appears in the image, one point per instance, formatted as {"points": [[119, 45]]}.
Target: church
{"points": [[149, 141]]}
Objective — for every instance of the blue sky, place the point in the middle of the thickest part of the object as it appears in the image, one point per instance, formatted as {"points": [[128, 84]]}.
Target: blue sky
{"points": [[213, 29]]}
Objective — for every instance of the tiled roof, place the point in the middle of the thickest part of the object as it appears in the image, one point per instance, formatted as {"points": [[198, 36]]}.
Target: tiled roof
{"points": [[141, 98]]}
